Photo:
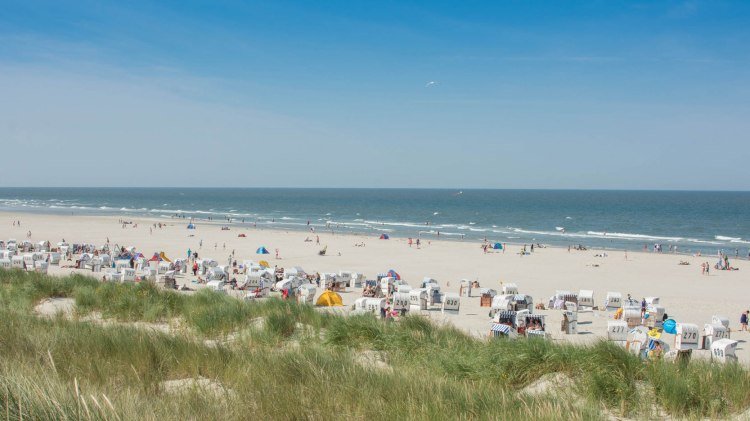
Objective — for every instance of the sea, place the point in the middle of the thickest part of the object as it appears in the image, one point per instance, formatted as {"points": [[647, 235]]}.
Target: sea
{"points": [[691, 221]]}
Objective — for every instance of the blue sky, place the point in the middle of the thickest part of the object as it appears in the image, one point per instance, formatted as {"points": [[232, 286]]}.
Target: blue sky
{"points": [[584, 94]]}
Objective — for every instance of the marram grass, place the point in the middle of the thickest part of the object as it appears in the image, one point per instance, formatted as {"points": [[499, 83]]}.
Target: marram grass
{"points": [[300, 363]]}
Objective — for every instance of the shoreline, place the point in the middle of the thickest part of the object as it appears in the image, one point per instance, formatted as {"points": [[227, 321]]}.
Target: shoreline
{"points": [[425, 236]]}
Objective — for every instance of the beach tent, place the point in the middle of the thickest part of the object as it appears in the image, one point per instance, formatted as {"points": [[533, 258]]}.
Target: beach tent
{"points": [[392, 274], [384, 237], [329, 299], [155, 258], [191, 226], [164, 257], [497, 246], [261, 250], [264, 264]]}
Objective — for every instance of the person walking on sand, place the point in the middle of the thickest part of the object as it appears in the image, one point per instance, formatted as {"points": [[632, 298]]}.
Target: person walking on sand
{"points": [[277, 254], [743, 321]]}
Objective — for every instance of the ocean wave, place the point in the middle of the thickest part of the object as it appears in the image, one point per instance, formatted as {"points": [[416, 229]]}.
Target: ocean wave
{"points": [[397, 224], [723, 238]]}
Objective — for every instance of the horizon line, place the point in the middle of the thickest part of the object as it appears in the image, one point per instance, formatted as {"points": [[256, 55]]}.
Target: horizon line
{"points": [[384, 188]]}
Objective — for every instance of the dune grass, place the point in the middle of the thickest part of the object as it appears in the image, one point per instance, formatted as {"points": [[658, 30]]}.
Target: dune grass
{"points": [[301, 363]]}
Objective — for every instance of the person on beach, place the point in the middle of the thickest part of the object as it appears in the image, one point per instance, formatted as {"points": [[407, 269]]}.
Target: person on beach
{"points": [[743, 321], [409, 241]]}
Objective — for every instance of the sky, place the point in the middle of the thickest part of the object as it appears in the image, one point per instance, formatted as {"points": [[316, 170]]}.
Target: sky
{"points": [[465, 94]]}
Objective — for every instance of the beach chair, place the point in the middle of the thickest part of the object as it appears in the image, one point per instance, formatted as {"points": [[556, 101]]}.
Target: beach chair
{"points": [[617, 332], [465, 288], [418, 299], [613, 301], [723, 350], [5, 264], [687, 336], [651, 301], [586, 298], [451, 303], [510, 289], [306, 294], [655, 316], [631, 315], [28, 261], [41, 266], [501, 303], [345, 277], [401, 301], [216, 286], [373, 305], [53, 258], [128, 275], [722, 320], [402, 287], [17, 262], [713, 332]]}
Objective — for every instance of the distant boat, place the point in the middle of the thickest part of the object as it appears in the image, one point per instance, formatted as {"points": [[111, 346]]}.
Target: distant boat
{"points": [[460, 192]]}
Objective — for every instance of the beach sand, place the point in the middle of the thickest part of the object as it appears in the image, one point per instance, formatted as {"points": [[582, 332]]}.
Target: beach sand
{"points": [[687, 295]]}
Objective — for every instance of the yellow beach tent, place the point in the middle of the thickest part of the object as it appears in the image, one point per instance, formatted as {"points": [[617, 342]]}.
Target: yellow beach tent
{"points": [[264, 264], [329, 299]]}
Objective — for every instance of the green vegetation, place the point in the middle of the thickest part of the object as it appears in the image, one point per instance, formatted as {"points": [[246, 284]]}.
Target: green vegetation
{"points": [[302, 363]]}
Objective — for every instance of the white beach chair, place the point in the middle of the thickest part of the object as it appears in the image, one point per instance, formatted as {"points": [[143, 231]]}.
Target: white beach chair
{"points": [[451, 303], [418, 299], [687, 336], [510, 289], [617, 332], [613, 301], [723, 350], [712, 332], [586, 298]]}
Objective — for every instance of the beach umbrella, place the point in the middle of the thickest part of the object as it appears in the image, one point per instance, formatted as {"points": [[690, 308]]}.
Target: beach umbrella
{"points": [[392, 273], [670, 326], [261, 250], [155, 258]]}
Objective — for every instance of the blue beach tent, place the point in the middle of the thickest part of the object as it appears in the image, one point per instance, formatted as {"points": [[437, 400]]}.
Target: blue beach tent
{"points": [[497, 246], [261, 250]]}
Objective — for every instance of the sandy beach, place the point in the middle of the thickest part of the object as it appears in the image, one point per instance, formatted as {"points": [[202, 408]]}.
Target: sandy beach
{"points": [[688, 296]]}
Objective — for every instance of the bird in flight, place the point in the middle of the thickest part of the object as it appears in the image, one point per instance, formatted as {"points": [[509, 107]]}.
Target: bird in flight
{"points": [[430, 83]]}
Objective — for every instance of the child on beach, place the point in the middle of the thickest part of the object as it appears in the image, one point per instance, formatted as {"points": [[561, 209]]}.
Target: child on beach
{"points": [[743, 321]]}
